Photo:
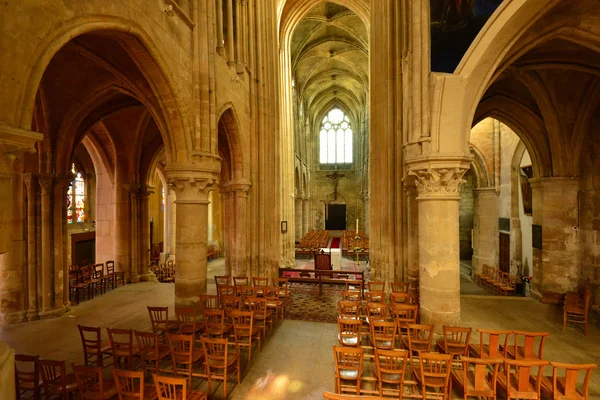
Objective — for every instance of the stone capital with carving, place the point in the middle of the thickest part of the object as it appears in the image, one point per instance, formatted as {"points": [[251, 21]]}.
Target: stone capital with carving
{"points": [[193, 181], [191, 190], [240, 188], [438, 182], [46, 182]]}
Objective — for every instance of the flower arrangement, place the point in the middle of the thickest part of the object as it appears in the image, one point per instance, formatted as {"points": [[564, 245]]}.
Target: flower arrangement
{"points": [[527, 279]]}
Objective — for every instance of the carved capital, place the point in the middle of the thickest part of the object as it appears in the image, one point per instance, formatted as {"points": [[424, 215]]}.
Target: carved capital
{"points": [[438, 182], [133, 189], [146, 190], [241, 189], [30, 181], [46, 181], [191, 190]]}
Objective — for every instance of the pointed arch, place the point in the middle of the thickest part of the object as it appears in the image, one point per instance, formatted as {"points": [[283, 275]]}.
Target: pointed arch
{"points": [[229, 131]]}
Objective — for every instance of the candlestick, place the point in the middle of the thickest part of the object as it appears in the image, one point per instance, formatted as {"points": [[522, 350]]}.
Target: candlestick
{"points": [[357, 226]]}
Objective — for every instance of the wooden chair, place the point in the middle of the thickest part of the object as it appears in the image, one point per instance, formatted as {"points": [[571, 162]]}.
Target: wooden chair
{"points": [[259, 284], [349, 309], [399, 287], [351, 295], [492, 343], [502, 281], [187, 320], [241, 281], [399, 298], [355, 286], [244, 331], [434, 372], [455, 341], [225, 290], [91, 383], [27, 376], [262, 315], [222, 280], [208, 301], [151, 351], [390, 367], [375, 297], [522, 383], [116, 275], [563, 386], [480, 277], [169, 388], [348, 363], [159, 318], [89, 276], [349, 331], [323, 260], [98, 273], [185, 355], [528, 349], [230, 303], [510, 288], [337, 396], [376, 311], [274, 303], [376, 286], [56, 380], [383, 335], [418, 339], [576, 309], [130, 385], [219, 358], [473, 378], [77, 287], [95, 351], [244, 291], [404, 314], [284, 292], [214, 323], [122, 347]]}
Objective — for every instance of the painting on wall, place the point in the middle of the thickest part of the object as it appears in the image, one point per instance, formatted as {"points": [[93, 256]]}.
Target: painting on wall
{"points": [[526, 193], [454, 26]]}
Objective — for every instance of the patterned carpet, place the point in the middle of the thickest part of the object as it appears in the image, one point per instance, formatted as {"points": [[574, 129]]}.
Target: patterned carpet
{"points": [[307, 305]]}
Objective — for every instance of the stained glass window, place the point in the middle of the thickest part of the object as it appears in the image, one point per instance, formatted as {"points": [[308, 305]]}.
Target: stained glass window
{"points": [[76, 198], [335, 138]]}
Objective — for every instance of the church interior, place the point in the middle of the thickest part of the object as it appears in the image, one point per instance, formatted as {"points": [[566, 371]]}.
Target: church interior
{"points": [[299, 199]]}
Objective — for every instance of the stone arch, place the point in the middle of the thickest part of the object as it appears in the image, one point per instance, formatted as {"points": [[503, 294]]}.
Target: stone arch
{"points": [[156, 73], [482, 178], [228, 122]]}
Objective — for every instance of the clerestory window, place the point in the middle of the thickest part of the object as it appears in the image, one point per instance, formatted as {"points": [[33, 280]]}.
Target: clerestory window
{"points": [[335, 138]]}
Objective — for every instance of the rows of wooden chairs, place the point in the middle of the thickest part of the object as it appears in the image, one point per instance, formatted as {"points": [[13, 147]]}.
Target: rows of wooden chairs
{"points": [[405, 355], [164, 272], [496, 281], [314, 240], [89, 280], [576, 307], [349, 242]]}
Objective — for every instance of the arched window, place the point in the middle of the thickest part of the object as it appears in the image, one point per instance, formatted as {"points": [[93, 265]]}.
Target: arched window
{"points": [[335, 138], [76, 198]]}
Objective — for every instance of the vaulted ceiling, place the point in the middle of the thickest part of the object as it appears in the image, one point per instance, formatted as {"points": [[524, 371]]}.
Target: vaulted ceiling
{"points": [[330, 60]]}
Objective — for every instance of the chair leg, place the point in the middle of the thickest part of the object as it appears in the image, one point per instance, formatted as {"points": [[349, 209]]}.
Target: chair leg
{"points": [[564, 321]]}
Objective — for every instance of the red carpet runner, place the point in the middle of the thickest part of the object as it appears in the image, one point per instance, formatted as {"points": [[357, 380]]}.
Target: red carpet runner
{"points": [[335, 243]]}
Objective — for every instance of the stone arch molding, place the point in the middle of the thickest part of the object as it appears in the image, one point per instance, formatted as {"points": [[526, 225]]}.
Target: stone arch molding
{"points": [[178, 137], [235, 140]]}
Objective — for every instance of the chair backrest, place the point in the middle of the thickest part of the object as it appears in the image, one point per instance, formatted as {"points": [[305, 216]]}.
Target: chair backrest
{"points": [[147, 342], [240, 281], [244, 290], [89, 379], [158, 315], [349, 331], [475, 375], [209, 301], [419, 336], [392, 362], [181, 347], [98, 270], [258, 305], [492, 343], [214, 320], [400, 287], [27, 373], [169, 388], [222, 280], [348, 359], [54, 373], [110, 267], [215, 351], [121, 341], [243, 322], [351, 295], [435, 369], [404, 314], [225, 290], [376, 286], [564, 384], [354, 286], [375, 297], [91, 339], [281, 283], [529, 349], [377, 311], [399, 297], [523, 379], [383, 334], [186, 317], [348, 309], [130, 384], [230, 303], [323, 260], [456, 340], [260, 281]]}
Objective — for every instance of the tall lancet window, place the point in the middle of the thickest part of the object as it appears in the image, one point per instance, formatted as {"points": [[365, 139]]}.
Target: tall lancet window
{"points": [[335, 138], [76, 198]]}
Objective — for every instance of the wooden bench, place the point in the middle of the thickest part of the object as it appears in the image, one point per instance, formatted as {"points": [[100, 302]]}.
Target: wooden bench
{"points": [[320, 277]]}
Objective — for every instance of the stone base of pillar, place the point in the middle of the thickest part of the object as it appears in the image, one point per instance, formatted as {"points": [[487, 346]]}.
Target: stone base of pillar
{"points": [[134, 278], [32, 315], [53, 313], [14, 317], [148, 277], [68, 306]]}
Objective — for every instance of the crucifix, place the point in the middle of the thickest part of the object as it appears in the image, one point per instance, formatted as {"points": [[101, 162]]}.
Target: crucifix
{"points": [[335, 177]]}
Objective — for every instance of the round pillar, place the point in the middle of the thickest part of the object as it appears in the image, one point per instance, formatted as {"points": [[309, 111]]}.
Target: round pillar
{"points": [[485, 229]]}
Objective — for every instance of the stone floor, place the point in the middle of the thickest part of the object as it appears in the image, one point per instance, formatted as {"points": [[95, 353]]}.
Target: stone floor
{"points": [[296, 362]]}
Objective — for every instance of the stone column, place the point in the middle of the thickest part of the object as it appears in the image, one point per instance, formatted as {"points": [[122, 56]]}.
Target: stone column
{"points": [[239, 37], [145, 232], [61, 273], [122, 224], [298, 217], [228, 226], [413, 236], [557, 266], [229, 45], [305, 215], [485, 229], [134, 233], [32, 289], [219, 28], [240, 191], [438, 187], [46, 183], [192, 188]]}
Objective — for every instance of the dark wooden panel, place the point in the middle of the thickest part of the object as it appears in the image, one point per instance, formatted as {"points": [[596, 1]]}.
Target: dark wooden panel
{"points": [[504, 256], [536, 236]]}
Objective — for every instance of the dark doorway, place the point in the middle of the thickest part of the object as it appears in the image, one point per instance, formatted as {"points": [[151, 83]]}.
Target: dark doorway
{"points": [[504, 252], [336, 220]]}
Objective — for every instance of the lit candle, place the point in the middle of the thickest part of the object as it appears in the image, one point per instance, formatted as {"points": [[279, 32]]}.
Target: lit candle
{"points": [[357, 226]]}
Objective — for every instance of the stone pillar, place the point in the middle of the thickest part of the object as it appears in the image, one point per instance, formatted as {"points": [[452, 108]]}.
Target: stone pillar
{"points": [[219, 28], [485, 229], [229, 46], [557, 266], [239, 39], [46, 183], [192, 184], [228, 228], [412, 236], [172, 219], [122, 224], [32, 288], [305, 215], [438, 187], [145, 232], [240, 191], [134, 233], [298, 217], [61, 273]]}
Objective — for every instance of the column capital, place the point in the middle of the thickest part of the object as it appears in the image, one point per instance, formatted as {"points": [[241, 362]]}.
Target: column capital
{"points": [[556, 183], [193, 181], [15, 139], [191, 190], [133, 188], [146, 190], [45, 181], [30, 180], [438, 177], [240, 188]]}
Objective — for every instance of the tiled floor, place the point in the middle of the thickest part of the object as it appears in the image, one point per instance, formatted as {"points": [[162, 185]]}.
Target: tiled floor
{"points": [[296, 362]]}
